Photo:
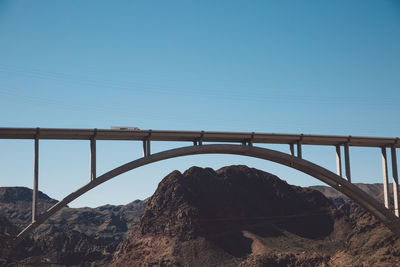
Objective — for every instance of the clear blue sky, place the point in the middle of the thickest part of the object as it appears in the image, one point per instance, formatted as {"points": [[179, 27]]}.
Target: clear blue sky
{"points": [[317, 67]]}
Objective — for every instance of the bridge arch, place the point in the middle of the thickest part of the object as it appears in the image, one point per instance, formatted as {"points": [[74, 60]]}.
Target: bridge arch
{"points": [[314, 170]]}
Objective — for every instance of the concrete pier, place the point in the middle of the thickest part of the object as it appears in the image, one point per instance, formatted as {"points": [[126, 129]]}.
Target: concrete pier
{"points": [[146, 148], [35, 180], [299, 152], [347, 161], [92, 158], [338, 161], [395, 181], [385, 178]]}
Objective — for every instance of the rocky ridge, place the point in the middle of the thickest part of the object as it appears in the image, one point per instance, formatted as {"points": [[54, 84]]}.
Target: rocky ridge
{"points": [[236, 216], [74, 236]]}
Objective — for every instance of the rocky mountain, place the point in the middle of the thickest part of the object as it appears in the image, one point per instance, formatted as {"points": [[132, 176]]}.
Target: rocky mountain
{"points": [[236, 216], [16, 204], [239, 216], [71, 237]]}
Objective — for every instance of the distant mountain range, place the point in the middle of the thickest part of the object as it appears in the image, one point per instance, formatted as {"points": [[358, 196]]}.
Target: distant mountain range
{"points": [[235, 216], [374, 190]]}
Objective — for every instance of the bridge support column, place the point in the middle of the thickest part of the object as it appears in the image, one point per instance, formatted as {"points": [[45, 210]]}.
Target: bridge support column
{"points": [[339, 161], [299, 153], [92, 158], [385, 177], [146, 148], [247, 143], [395, 181], [199, 142], [347, 161], [291, 149], [35, 179]]}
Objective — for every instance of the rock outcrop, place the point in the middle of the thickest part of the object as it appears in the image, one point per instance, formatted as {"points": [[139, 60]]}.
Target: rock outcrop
{"points": [[368, 242], [74, 236], [234, 216]]}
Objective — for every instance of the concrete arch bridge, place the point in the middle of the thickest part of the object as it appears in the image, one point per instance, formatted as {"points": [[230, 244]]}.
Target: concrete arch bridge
{"points": [[217, 144]]}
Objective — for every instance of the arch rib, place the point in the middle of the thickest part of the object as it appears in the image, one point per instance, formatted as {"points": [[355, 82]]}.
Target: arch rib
{"points": [[322, 174]]}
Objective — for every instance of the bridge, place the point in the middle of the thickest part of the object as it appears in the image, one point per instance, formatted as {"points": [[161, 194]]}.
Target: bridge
{"points": [[236, 143]]}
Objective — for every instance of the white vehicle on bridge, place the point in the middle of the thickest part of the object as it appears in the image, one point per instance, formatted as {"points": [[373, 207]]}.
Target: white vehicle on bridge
{"points": [[124, 128]]}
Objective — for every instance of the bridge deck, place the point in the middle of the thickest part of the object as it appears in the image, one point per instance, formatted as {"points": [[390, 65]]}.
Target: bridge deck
{"points": [[205, 136]]}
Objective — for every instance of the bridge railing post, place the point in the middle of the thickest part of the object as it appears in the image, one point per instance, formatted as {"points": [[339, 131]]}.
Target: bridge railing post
{"points": [[385, 177], [395, 181]]}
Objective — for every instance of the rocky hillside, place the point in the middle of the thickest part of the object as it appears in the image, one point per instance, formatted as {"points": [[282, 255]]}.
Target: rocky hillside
{"points": [[16, 204], [73, 236], [236, 216], [369, 242]]}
